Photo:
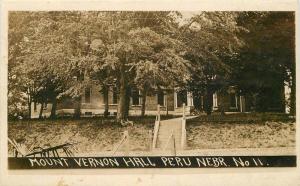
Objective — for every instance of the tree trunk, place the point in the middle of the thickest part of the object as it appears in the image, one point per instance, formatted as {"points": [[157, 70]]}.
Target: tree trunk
{"points": [[127, 101], [208, 99], [34, 106], [167, 107], [77, 111], [221, 107], [29, 100], [144, 97], [41, 111], [105, 97], [122, 96], [53, 109]]}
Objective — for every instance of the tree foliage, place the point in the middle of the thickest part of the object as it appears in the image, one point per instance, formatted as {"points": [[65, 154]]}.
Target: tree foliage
{"points": [[267, 62], [56, 55], [212, 40]]}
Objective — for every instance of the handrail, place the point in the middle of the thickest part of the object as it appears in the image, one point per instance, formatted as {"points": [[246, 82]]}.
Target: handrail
{"points": [[174, 143], [158, 113], [124, 138], [156, 127], [168, 141], [183, 129]]}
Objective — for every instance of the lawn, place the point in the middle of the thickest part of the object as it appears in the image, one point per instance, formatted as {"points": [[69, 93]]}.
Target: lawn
{"points": [[241, 131], [94, 134], [102, 135]]}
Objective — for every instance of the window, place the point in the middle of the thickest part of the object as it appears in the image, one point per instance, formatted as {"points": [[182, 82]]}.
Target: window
{"points": [[135, 97], [87, 95], [115, 96], [181, 98], [161, 98], [233, 101]]}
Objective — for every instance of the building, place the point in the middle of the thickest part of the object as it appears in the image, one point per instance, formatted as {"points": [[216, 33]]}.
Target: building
{"points": [[171, 102]]}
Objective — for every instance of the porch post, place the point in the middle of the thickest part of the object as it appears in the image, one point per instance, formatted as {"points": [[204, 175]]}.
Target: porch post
{"points": [[241, 104], [175, 99], [215, 101], [189, 99]]}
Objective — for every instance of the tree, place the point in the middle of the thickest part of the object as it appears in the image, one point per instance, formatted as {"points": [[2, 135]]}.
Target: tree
{"points": [[19, 91], [121, 48], [129, 43], [267, 60], [212, 41], [161, 64], [45, 57], [101, 72]]}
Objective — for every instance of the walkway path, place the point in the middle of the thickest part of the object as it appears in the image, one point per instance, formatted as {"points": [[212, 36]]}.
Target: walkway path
{"points": [[170, 131]]}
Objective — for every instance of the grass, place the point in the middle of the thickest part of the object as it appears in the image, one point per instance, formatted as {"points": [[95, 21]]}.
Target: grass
{"points": [[102, 135], [94, 134], [245, 117], [255, 130]]}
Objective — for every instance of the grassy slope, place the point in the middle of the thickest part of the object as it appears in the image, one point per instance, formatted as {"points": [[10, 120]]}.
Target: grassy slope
{"points": [[97, 134], [241, 131], [93, 134]]}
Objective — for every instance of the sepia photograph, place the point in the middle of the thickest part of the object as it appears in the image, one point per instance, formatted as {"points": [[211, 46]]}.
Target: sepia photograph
{"points": [[147, 89]]}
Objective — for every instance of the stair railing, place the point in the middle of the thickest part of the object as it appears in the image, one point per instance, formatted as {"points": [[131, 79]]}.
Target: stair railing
{"points": [[171, 139], [156, 127], [124, 140], [183, 128]]}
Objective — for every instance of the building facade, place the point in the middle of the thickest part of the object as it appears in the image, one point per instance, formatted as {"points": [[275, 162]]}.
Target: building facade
{"points": [[170, 102]]}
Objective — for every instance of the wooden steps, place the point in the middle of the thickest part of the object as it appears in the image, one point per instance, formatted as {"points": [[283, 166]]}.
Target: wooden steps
{"points": [[169, 131]]}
